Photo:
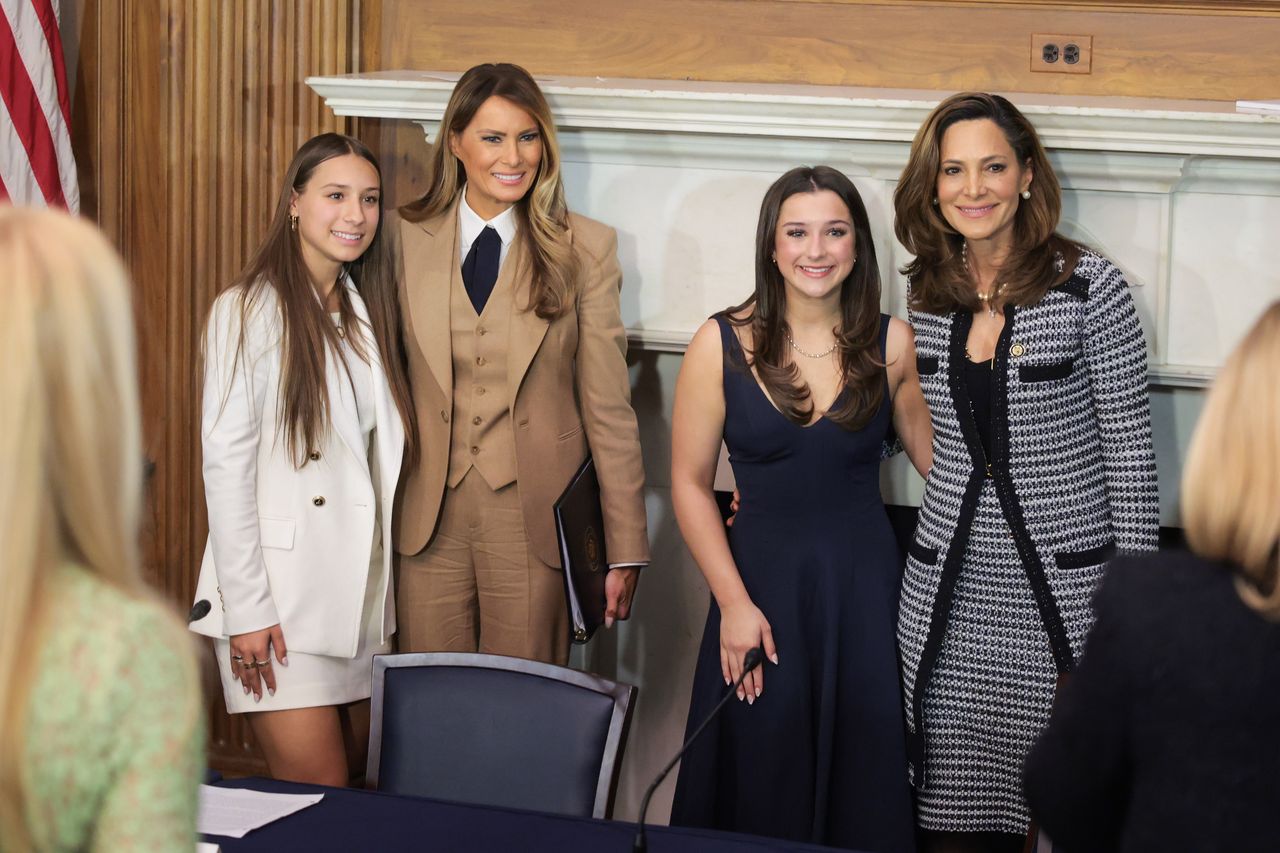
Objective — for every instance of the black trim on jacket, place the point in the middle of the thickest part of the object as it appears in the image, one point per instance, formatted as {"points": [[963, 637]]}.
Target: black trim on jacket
{"points": [[997, 468]]}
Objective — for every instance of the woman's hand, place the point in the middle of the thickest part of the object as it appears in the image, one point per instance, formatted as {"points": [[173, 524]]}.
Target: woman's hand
{"points": [[742, 628], [619, 592], [251, 659]]}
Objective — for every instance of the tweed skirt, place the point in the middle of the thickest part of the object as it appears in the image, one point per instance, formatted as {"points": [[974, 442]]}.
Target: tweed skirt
{"points": [[992, 686]]}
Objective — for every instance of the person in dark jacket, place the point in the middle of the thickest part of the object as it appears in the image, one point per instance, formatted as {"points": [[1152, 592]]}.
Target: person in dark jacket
{"points": [[1164, 737]]}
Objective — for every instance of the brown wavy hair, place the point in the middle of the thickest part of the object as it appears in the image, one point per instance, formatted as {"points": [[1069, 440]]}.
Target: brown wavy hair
{"points": [[542, 213], [308, 337], [1040, 257], [858, 336]]}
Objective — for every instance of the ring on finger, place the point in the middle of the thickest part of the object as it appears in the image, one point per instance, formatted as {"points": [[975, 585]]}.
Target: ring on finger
{"points": [[238, 658]]}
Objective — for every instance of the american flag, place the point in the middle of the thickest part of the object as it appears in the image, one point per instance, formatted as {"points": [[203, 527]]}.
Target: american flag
{"points": [[36, 165]]}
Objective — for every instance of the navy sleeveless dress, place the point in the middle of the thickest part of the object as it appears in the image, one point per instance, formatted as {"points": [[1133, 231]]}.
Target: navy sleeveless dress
{"points": [[821, 756]]}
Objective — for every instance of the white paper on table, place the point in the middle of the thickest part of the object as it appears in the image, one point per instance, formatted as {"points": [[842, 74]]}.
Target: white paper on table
{"points": [[1265, 107], [234, 812]]}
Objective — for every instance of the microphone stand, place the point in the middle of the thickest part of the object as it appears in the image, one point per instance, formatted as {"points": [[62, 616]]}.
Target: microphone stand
{"points": [[752, 659]]}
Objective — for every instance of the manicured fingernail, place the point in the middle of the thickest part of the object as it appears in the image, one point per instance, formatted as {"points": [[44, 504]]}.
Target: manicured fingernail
{"points": [[257, 697], [728, 680], [271, 691], [759, 690], [751, 699], [285, 661], [246, 689], [608, 621], [774, 657]]}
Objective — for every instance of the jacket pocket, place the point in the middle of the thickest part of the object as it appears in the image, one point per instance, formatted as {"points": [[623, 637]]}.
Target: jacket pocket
{"points": [[923, 555], [1046, 372], [565, 436], [926, 365], [275, 532], [1090, 557]]}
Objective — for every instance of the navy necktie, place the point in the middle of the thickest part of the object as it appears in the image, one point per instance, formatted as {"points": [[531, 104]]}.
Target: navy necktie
{"points": [[480, 268]]}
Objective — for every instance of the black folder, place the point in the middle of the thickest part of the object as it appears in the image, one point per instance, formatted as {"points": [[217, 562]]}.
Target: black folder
{"points": [[580, 531]]}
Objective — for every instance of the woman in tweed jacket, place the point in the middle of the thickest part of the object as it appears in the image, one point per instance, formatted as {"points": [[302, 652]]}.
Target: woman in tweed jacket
{"points": [[1033, 363]]}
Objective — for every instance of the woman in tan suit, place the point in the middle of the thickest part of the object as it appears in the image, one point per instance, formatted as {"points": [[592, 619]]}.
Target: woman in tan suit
{"points": [[517, 364]]}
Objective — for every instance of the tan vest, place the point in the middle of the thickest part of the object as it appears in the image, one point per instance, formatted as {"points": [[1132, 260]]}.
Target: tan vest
{"points": [[481, 435]]}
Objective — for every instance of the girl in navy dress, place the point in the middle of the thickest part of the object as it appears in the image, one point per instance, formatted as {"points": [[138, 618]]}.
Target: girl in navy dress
{"points": [[805, 382]]}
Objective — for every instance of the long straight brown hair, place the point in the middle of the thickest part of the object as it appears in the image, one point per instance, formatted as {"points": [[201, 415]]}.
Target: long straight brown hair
{"points": [[542, 213], [858, 335], [1040, 257], [307, 336]]}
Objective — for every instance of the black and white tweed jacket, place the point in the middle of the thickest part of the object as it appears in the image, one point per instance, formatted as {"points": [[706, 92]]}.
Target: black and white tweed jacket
{"points": [[1071, 458]]}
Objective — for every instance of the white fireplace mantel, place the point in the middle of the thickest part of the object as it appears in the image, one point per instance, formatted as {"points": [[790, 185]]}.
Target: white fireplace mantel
{"points": [[1184, 195]]}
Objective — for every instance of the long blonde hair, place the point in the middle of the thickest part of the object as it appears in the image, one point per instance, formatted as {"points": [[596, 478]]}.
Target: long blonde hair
{"points": [[1231, 478], [70, 445], [542, 213]]}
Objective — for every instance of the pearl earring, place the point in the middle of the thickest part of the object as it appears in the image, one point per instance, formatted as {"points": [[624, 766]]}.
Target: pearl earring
{"points": [[935, 201], [1026, 194]]}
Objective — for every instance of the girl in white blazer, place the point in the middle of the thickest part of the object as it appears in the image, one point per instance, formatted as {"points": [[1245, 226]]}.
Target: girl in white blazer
{"points": [[305, 413]]}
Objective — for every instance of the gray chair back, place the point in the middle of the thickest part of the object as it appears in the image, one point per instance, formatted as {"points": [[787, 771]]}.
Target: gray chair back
{"points": [[497, 731]]}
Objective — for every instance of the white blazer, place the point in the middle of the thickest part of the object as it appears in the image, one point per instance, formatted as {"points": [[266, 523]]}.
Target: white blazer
{"points": [[288, 545]]}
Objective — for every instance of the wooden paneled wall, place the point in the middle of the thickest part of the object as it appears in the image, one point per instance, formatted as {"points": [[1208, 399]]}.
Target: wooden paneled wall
{"points": [[187, 113], [1167, 49]]}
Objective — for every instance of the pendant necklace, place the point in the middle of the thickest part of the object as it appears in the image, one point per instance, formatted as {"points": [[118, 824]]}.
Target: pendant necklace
{"points": [[991, 298]]}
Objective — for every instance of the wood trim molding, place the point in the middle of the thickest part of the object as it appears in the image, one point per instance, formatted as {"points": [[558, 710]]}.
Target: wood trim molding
{"points": [[1251, 8]]}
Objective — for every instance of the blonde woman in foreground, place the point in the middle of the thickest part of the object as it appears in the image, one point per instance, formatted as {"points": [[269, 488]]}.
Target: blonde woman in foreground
{"points": [[1164, 739], [100, 724]]}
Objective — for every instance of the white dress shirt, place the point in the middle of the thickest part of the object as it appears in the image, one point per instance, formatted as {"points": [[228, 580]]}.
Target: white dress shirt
{"points": [[470, 225]]}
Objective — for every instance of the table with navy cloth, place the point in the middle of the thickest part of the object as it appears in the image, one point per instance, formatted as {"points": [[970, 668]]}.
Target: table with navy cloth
{"points": [[352, 821]]}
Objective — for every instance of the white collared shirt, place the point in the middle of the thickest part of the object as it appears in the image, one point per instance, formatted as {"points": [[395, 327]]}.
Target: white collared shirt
{"points": [[470, 225]]}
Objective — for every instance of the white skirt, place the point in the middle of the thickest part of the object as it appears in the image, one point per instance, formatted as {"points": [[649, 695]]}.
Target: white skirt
{"points": [[316, 680]]}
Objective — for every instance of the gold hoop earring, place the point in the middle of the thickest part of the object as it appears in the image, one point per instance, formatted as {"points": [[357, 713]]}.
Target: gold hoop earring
{"points": [[293, 222]]}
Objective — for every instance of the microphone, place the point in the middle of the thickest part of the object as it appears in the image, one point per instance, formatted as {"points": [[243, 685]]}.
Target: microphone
{"points": [[752, 659], [199, 611]]}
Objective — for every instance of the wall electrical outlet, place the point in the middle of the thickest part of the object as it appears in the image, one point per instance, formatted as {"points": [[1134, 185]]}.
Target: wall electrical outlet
{"points": [[1059, 54]]}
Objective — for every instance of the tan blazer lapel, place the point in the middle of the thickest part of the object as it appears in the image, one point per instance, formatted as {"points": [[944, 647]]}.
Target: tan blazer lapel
{"points": [[436, 256], [527, 328]]}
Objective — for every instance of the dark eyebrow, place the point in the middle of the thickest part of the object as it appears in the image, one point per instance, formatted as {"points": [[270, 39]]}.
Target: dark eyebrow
{"points": [[483, 131], [829, 222], [986, 159], [348, 186]]}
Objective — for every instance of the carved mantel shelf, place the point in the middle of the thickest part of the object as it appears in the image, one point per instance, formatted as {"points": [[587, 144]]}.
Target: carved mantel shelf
{"points": [[1145, 153]]}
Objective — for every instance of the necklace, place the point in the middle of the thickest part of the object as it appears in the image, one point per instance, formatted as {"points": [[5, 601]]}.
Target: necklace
{"points": [[991, 298], [823, 354]]}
